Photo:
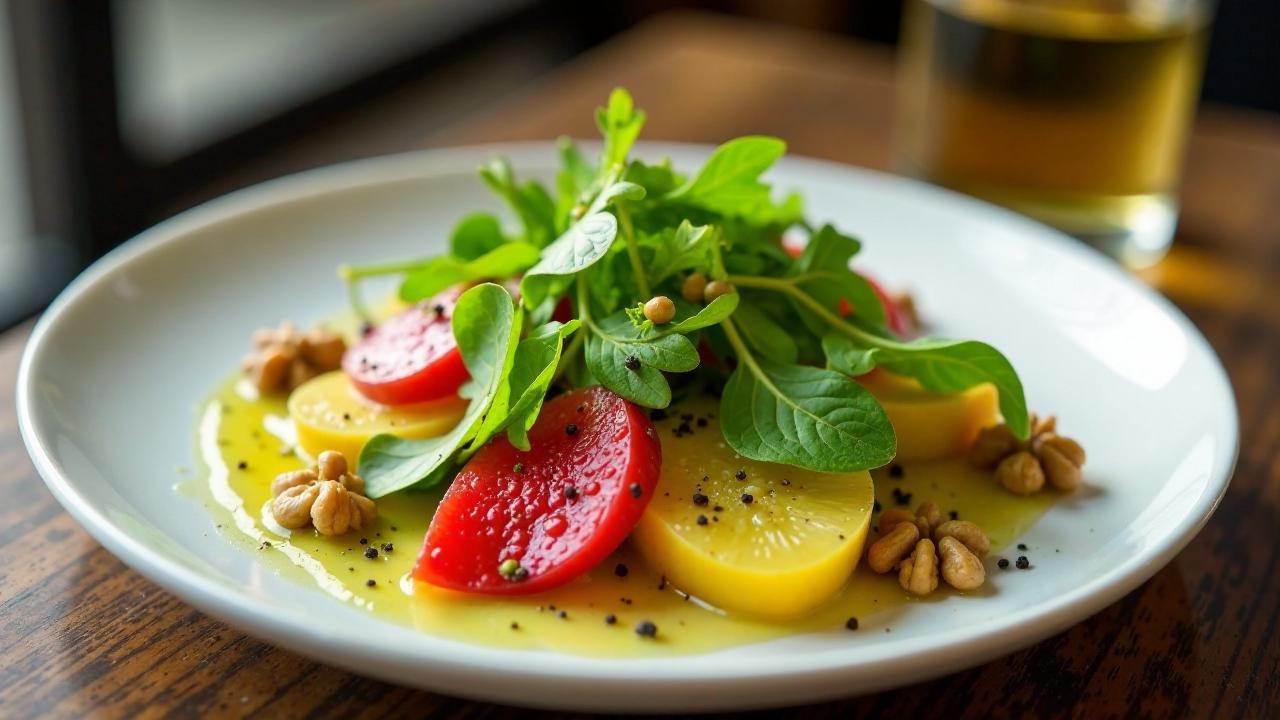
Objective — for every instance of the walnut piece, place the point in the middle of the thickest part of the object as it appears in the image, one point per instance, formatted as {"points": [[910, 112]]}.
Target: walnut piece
{"points": [[1020, 473], [918, 574], [283, 357], [328, 497], [337, 510], [892, 516], [930, 514], [992, 445], [1023, 467], [292, 508], [969, 535], [888, 550], [960, 568]]}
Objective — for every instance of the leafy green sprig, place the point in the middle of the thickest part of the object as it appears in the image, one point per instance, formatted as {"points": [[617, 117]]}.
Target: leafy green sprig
{"points": [[619, 231]]}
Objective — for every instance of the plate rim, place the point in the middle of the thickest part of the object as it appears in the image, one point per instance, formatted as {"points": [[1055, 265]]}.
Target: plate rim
{"points": [[905, 662]]}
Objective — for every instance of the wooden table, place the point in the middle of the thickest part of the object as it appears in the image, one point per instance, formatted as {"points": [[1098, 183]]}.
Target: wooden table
{"points": [[83, 634]]}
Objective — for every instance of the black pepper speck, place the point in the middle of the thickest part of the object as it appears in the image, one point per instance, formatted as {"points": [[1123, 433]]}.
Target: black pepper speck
{"points": [[646, 628], [851, 623], [621, 570], [1023, 563], [371, 552], [747, 499], [636, 490], [570, 429]]}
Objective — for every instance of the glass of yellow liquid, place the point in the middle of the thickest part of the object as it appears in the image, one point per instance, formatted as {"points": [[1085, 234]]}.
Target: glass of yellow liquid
{"points": [[1074, 112]]}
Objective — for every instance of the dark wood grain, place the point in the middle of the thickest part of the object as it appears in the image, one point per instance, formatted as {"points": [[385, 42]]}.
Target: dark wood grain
{"points": [[82, 634]]}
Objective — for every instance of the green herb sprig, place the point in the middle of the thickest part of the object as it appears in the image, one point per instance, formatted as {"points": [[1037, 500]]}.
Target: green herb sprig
{"points": [[618, 231]]}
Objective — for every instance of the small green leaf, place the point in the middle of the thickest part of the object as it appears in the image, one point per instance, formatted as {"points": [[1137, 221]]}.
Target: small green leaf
{"points": [[710, 314], [949, 366], [823, 272], [530, 201], [620, 124], [576, 174], [764, 335], [532, 371], [621, 190], [502, 262], [475, 235], [804, 416], [657, 180], [673, 251], [487, 328], [579, 247], [729, 183], [845, 357], [615, 339]]}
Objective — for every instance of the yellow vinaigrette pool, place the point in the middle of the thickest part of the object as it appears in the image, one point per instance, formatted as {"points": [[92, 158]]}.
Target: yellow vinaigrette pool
{"points": [[244, 442]]}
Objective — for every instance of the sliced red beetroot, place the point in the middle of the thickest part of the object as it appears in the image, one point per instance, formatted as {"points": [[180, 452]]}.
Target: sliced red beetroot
{"points": [[518, 522], [411, 357]]}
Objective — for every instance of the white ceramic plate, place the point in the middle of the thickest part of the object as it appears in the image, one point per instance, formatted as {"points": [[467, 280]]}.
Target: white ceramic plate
{"points": [[110, 381]]}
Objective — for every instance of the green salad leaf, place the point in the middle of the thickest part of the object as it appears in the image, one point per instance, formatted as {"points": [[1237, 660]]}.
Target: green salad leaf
{"points": [[804, 416], [536, 361], [487, 328], [628, 362], [476, 235], [619, 122]]}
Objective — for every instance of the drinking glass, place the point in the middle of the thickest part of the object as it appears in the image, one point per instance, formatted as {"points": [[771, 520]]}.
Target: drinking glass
{"points": [[1074, 112]]}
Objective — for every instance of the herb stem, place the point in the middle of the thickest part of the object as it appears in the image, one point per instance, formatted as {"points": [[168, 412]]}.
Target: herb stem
{"points": [[570, 352], [633, 252], [740, 347], [788, 287], [359, 272], [580, 337]]}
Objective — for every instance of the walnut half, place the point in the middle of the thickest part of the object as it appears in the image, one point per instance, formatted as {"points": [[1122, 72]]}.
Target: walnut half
{"points": [[284, 357], [328, 497]]}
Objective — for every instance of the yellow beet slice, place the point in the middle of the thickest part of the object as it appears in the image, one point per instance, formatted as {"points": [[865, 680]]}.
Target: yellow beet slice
{"points": [[930, 425], [782, 554], [329, 414]]}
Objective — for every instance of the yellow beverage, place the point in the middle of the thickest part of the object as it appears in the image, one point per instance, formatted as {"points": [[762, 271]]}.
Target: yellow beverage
{"points": [[1072, 111]]}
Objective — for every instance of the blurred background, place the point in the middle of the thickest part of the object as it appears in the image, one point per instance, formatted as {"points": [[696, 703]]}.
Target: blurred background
{"points": [[117, 114]]}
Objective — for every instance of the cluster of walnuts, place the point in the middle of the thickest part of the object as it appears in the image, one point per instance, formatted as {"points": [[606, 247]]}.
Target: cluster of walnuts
{"points": [[284, 357], [1024, 466], [922, 547], [327, 496]]}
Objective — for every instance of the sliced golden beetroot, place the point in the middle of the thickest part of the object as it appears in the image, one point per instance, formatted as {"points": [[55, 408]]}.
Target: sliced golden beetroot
{"points": [[328, 414], [518, 522], [929, 425], [747, 536]]}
